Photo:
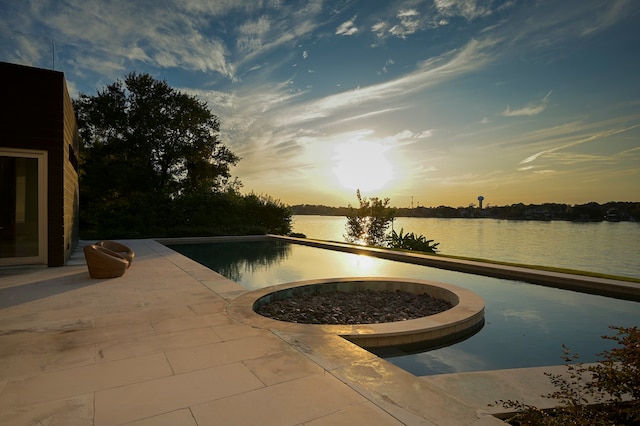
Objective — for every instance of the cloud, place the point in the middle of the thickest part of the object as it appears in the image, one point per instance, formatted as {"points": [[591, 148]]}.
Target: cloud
{"points": [[379, 29], [581, 139], [252, 34], [529, 110], [409, 135], [405, 23], [192, 35], [471, 57], [409, 23], [130, 33], [22, 48], [468, 9], [347, 28], [368, 114], [385, 68], [616, 10]]}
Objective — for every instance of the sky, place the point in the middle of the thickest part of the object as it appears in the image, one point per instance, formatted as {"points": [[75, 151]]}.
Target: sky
{"points": [[428, 103]]}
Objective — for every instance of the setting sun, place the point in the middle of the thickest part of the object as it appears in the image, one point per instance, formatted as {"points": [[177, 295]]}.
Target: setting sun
{"points": [[362, 165]]}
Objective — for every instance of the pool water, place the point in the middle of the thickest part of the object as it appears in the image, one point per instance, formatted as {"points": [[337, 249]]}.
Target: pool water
{"points": [[525, 324]]}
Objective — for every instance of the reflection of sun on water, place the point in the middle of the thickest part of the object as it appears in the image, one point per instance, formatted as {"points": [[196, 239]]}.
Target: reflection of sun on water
{"points": [[363, 265], [362, 165]]}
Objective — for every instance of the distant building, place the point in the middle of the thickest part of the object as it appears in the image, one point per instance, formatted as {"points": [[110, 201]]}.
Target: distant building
{"points": [[39, 191]]}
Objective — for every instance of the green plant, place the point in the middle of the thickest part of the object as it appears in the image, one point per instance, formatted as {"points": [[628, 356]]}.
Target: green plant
{"points": [[607, 393], [410, 241]]}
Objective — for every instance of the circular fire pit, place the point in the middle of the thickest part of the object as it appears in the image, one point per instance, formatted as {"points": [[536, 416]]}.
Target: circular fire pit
{"points": [[318, 304], [434, 313]]}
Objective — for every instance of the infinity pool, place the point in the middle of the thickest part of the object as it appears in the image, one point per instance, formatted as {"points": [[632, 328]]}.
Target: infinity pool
{"points": [[525, 324]]}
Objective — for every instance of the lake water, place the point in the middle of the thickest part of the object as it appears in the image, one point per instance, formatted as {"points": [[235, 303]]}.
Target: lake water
{"points": [[605, 247]]}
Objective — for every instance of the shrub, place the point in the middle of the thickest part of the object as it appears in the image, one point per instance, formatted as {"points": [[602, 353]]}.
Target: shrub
{"points": [[412, 242], [607, 393]]}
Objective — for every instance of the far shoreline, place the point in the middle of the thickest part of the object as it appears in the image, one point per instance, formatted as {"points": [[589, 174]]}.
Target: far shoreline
{"points": [[589, 212]]}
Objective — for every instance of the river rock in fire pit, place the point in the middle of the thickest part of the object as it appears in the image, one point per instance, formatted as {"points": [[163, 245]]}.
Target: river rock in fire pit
{"points": [[353, 307]]}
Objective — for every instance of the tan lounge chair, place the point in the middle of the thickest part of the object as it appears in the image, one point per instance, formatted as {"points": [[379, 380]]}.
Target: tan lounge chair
{"points": [[104, 263], [119, 248]]}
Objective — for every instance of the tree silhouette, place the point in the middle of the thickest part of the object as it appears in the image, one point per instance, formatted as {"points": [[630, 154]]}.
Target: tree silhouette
{"points": [[141, 135], [369, 223]]}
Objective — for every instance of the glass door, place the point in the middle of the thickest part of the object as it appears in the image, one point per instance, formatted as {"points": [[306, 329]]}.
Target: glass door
{"points": [[23, 207]]}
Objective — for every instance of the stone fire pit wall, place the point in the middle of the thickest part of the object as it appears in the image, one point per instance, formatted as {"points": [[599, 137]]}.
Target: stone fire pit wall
{"points": [[465, 317]]}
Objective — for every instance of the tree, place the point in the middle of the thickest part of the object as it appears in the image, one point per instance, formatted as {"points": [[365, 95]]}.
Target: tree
{"points": [[145, 136], [369, 223], [144, 145]]}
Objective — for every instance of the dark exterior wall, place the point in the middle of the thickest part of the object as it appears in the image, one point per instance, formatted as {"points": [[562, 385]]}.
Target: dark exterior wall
{"points": [[36, 113], [71, 187]]}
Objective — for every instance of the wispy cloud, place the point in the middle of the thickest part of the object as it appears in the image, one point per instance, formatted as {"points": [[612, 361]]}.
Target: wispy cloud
{"points": [[409, 23], [369, 114], [347, 28], [579, 141], [614, 11], [529, 110], [468, 9], [134, 34], [385, 68], [253, 33], [407, 134], [473, 56]]}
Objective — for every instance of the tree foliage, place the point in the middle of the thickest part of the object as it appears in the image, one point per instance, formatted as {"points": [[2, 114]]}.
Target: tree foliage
{"points": [[152, 164], [141, 135], [368, 224], [619, 374]]}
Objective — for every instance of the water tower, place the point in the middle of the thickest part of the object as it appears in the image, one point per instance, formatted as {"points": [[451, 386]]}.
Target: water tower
{"points": [[480, 200]]}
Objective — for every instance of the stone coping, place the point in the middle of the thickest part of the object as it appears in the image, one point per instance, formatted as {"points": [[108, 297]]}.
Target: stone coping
{"points": [[593, 285], [464, 318]]}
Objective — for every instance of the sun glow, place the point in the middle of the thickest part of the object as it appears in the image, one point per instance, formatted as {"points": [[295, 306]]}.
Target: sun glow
{"points": [[362, 165]]}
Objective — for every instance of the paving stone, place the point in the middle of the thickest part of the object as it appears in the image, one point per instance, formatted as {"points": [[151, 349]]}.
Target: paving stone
{"points": [[282, 367], [175, 418], [238, 331], [156, 344], [76, 411], [361, 414], [281, 404], [169, 325], [149, 398], [224, 353], [77, 381], [31, 363]]}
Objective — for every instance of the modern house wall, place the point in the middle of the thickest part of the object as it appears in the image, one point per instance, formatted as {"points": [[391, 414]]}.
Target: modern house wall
{"points": [[36, 116]]}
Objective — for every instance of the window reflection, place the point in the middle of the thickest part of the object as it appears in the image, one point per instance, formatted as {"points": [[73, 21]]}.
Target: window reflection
{"points": [[19, 209]]}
